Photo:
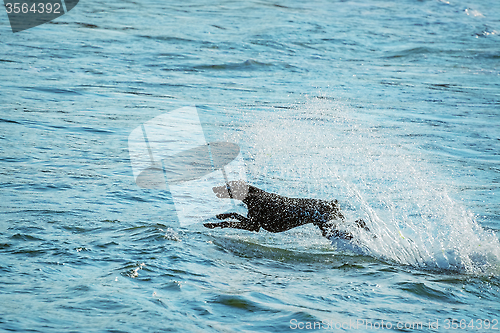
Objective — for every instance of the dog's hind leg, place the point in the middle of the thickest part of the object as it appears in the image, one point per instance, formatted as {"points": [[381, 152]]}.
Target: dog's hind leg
{"points": [[330, 230], [361, 224]]}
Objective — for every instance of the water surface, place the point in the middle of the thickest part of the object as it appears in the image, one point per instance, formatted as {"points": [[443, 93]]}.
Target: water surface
{"points": [[390, 107]]}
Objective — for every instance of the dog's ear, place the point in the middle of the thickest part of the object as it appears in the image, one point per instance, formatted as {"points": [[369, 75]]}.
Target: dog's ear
{"points": [[235, 189]]}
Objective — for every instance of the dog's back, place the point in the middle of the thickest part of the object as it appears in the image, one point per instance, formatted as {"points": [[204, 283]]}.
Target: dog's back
{"points": [[276, 213]]}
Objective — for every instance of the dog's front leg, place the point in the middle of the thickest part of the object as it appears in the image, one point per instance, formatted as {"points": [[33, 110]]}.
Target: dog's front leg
{"points": [[245, 223], [235, 216], [224, 224]]}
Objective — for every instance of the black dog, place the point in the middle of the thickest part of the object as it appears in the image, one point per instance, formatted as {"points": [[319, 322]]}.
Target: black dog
{"points": [[276, 213]]}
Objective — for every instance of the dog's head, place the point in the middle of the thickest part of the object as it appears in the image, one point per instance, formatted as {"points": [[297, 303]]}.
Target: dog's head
{"points": [[236, 189]]}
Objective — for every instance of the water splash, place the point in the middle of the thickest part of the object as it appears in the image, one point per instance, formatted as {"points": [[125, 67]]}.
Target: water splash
{"points": [[326, 150]]}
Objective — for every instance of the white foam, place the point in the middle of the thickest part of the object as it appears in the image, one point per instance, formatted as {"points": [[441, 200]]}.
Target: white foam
{"points": [[324, 149]]}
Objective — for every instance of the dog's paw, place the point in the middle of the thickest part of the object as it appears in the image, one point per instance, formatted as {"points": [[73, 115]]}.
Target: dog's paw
{"points": [[217, 225]]}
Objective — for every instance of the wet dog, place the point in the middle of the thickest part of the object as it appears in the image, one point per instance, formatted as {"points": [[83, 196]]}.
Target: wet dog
{"points": [[276, 213]]}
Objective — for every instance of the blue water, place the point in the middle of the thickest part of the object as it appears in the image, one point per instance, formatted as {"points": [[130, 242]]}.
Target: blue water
{"points": [[391, 107]]}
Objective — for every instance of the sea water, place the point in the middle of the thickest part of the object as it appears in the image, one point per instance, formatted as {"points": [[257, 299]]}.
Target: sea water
{"points": [[392, 108]]}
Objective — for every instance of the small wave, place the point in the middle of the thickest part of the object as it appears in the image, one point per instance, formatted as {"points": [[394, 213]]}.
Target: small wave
{"points": [[248, 65], [9, 121], [487, 32], [54, 90], [240, 303], [26, 238], [473, 12], [427, 292], [87, 25], [170, 39], [412, 52]]}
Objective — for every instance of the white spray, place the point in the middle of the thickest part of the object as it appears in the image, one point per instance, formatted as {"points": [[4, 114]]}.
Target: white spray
{"points": [[325, 150]]}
